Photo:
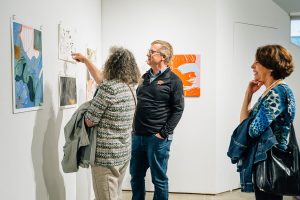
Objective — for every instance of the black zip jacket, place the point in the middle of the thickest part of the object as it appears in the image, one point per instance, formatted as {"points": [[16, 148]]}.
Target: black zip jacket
{"points": [[160, 104]]}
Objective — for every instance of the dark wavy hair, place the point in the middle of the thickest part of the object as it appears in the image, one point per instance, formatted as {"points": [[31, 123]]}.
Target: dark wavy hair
{"points": [[121, 65], [277, 59]]}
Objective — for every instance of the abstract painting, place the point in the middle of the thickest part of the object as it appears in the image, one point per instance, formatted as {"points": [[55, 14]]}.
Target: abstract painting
{"points": [[91, 84], [28, 93], [187, 67], [67, 92], [66, 43]]}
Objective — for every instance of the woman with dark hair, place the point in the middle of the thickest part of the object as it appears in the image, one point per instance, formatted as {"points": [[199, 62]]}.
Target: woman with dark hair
{"points": [[111, 113], [273, 63]]}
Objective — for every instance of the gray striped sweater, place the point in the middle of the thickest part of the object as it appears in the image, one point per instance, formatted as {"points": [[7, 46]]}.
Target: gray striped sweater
{"points": [[112, 111]]}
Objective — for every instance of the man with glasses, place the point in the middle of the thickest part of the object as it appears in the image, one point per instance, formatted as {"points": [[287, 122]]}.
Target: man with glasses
{"points": [[160, 105]]}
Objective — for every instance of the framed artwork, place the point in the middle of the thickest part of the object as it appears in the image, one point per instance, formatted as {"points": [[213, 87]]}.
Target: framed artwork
{"points": [[66, 43], [91, 84], [187, 67], [67, 92], [91, 54], [27, 68]]}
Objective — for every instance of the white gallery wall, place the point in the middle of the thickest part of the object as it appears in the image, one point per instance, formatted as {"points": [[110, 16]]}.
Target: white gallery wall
{"points": [[226, 35], [31, 142], [242, 26], [190, 26]]}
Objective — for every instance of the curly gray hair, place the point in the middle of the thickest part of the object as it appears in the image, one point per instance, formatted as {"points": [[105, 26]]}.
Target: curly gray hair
{"points": [[121, 65]]}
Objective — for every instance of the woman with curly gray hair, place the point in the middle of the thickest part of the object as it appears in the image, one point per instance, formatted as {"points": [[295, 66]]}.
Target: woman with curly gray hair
{"points": [[111, 113]]}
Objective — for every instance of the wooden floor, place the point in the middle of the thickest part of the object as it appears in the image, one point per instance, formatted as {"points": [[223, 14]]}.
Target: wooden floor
{"points": [[234, 195]]}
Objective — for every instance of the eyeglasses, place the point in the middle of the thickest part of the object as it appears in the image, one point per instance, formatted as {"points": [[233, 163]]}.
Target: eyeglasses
{"points": [[151, 52]]}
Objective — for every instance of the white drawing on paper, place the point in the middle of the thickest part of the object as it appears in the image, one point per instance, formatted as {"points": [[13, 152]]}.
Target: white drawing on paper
{"points": [[66, 44]]}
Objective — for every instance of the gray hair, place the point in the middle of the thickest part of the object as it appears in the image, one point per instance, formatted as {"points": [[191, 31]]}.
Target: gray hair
{"points": [[166, 49], [121, 65]]}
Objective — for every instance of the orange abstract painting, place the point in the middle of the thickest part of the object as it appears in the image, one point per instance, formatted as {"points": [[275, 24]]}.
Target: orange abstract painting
{"points": [[187, 67]]}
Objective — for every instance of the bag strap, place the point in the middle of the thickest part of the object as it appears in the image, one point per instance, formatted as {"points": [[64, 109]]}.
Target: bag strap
{"points": [[133, 123], [288, 100], [292, 135], [132, 94]]}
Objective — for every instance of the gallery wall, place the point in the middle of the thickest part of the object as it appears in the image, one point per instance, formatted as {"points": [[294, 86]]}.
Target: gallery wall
{"points": [[226, 35], [32, 142], [190, 26], [242, 26], [241, 31]]}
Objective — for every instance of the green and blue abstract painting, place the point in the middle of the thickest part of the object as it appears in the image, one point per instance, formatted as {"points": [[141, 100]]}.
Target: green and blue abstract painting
{"points": [[27, 68]]}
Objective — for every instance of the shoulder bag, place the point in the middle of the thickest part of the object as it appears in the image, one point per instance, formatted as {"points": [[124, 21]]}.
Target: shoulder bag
{"points": [[279, 173]]}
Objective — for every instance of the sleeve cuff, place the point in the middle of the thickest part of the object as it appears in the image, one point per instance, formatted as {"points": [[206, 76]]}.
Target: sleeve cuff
{"points": [[163, 134]]}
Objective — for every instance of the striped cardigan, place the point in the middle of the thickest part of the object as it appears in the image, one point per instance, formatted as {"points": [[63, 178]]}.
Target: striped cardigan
{"points": [[111, 112]]}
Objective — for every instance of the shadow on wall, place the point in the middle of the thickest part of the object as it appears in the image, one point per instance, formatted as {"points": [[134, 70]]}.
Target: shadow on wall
{"points": [[83, 176], [44, 149]]}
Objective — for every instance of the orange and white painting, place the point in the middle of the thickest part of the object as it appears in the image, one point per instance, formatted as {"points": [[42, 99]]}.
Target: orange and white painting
{"points": [[187, 67]]}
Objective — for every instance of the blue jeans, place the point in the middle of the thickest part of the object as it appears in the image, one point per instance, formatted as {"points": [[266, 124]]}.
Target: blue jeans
{"points": [[149, 151]]}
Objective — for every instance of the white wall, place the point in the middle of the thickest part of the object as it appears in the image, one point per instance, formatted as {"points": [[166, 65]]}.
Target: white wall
{"points": [[242, 27], [190, 26], [31, 142], [210, 28]]}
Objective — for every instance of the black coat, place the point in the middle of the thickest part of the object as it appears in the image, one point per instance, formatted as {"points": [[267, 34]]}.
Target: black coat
{"points": [[160, 104]]}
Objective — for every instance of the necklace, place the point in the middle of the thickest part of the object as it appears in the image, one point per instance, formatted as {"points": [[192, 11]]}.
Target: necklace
{"points": [[271, 86]]}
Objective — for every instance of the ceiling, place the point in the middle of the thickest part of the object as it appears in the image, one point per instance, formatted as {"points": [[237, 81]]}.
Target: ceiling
{"points": [[292, 7]]}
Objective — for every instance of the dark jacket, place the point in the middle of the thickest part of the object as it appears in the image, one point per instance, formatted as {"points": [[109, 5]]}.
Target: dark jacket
{"points": [[246, 151], [160, 104]]}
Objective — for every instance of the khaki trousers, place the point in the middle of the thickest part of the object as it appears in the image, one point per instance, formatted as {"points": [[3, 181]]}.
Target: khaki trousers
{"points": [[107, 181]]}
